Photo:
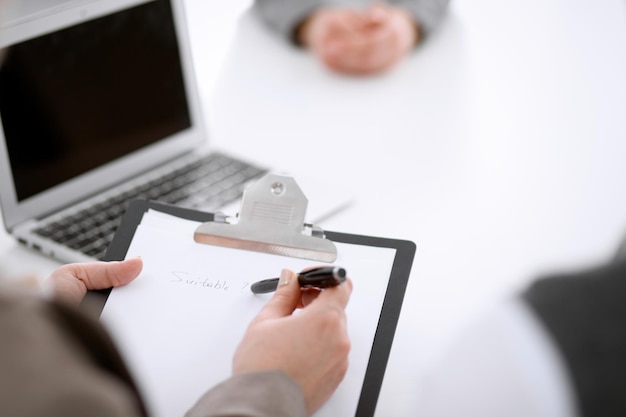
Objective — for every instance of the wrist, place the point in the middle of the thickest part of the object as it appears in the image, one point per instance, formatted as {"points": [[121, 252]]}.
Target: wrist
{"points": [[413, 28], [301, 32]]}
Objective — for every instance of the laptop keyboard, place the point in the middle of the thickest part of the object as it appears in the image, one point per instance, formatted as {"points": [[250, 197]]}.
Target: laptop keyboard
{"points": [[210, 182]]}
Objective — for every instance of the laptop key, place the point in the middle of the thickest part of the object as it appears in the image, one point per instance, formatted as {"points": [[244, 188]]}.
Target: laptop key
{"points": [[209, 182]]}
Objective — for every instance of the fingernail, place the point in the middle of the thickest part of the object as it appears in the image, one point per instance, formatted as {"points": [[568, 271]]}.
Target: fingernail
{"points": [[285, 277]]}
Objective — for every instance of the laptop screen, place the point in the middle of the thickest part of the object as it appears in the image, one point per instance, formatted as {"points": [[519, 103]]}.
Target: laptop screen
{"points": [[80, 97]]}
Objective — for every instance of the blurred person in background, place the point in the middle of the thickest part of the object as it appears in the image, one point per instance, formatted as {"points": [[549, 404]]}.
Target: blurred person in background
{"points": [[57, 361], [557, 349], [355, 37]]}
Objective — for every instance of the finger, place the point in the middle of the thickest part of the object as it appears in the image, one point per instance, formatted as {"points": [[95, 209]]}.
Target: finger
{"points": [[381, 50], [308, 295], [286, 298], [72, 281], [308, 268], [100, 275], [347, 20], [334, 297], [342, 26], [375, 15], [351, 60], [375, 52]]}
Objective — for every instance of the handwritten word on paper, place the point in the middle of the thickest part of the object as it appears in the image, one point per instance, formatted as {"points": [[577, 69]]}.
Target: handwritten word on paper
{"points": [[187, 278]]}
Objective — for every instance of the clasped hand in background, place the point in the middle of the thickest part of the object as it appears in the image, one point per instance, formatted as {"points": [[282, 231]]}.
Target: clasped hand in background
{"points": [[359, 42]]}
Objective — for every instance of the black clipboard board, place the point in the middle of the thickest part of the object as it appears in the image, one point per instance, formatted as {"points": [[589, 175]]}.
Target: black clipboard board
{"points": [[388, 319]]}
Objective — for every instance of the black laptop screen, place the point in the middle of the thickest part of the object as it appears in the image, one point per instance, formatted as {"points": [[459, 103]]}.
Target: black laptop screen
{"points": [[81, 97]]}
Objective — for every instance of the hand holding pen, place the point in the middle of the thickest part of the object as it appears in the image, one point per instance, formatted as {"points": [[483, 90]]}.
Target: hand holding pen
{"points": [[312, 346], [321, 277]]}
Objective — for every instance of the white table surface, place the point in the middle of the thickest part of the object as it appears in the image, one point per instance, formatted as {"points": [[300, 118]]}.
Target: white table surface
{"points": [[499, 148]]}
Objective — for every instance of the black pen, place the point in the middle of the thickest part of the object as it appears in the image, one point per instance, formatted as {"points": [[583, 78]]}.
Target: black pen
{"points": [[323, 277]]}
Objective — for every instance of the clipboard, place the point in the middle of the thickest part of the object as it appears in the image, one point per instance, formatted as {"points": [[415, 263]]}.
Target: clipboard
{"points": [[391, 304]]}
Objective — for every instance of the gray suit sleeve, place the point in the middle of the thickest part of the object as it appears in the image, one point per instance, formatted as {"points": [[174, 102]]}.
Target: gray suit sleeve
{"points": [[427, 13], [285, 15], [255, 394], [58, 363]]}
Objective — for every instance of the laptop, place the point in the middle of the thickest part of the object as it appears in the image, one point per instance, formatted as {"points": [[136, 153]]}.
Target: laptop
{"points": [[98, 106]]}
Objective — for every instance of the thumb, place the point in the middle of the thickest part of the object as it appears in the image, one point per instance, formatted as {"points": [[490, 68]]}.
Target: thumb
{"points": [[72, 281], [376, 14], [286, 298]]}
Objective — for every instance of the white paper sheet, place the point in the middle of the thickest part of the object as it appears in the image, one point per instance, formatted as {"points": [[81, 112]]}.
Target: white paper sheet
{"points": [[179, 322]]}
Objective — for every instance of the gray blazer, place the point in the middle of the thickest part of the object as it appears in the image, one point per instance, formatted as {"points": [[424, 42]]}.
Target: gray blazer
{"points": [[285, 15], [54, 361]]}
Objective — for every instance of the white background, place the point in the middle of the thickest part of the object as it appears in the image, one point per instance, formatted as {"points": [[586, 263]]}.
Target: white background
{"points": [[498, 147]]}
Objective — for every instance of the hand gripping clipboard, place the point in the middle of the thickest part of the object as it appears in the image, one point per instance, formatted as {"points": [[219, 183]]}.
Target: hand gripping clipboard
{"points": [[272, 221]]}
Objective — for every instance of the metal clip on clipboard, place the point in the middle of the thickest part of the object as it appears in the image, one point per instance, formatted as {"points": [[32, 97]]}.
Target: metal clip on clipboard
{"points": [[271, 220]]}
